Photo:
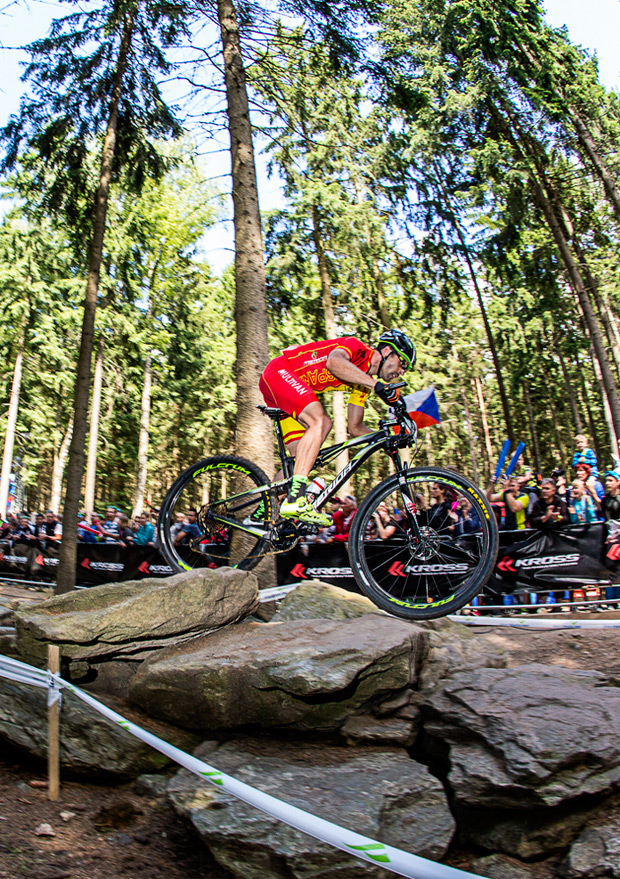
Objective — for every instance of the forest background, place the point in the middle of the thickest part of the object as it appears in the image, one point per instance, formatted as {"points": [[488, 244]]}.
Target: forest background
{"points": [[446, 167]]}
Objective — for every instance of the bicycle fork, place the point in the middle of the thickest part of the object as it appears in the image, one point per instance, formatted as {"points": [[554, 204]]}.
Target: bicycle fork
{"points": [[409, 503]]}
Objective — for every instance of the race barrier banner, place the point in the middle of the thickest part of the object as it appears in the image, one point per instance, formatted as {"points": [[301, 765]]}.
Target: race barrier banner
{"points": [[328, 562], [96, 563], [362, 847], [528, 560], [571, 558]]}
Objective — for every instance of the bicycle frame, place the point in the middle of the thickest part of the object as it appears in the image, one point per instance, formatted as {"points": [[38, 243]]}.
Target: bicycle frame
{"points": [[368, 443]]}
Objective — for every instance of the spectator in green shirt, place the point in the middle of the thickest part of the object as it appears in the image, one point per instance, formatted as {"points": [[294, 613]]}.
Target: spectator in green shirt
{"points": [[516, 503], [145, 535]]}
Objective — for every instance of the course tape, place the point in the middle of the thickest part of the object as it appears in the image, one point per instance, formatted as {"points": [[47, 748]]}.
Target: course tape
{"points": [[275, 592], [546, 623], [363, 847]]}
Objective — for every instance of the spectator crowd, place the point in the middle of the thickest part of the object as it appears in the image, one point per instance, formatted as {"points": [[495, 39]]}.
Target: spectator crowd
{"points": [[530, 500], [44, 530]]}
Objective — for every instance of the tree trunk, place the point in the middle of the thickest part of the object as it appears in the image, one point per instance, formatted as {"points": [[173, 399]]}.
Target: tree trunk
{"points": [[585, 137], [487, 326], [570, 393], [470, 433], [93, 435], [533, 431], [58, 470], [143, 444], [65, 580], [550, 204], [601, 306], [583, 397], [485, 425], [11, 424], [254, 436], [331, 331], [613, 436]]}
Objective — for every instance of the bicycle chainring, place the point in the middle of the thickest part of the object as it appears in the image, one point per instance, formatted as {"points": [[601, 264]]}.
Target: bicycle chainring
{"points": [[285, 536]]}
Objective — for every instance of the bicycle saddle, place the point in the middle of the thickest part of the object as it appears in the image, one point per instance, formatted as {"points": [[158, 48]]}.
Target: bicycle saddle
{"points": [[274, 414]]}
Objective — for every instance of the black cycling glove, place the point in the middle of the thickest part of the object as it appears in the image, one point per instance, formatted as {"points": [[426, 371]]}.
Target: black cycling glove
{"points": [[388, 393]]}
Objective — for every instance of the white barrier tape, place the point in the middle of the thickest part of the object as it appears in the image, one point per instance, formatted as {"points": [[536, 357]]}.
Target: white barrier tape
{"points": [[275, 592], [14, 670], [593, 602], [363, 847], [53, 691], [370, 850], [546, 623]]}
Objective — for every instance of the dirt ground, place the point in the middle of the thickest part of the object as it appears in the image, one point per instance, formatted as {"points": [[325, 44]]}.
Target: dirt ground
{"points": [[122, 832], [99, 833]]}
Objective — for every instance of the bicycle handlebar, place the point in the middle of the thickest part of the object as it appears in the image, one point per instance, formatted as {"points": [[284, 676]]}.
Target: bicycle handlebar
{"points": [[402, 419]]}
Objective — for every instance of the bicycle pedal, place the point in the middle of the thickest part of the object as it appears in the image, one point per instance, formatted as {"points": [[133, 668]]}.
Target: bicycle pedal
{"points": [[307, 528]]}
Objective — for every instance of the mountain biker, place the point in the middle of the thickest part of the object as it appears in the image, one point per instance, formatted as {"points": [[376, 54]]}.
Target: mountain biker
{"points": [[293, 381]]}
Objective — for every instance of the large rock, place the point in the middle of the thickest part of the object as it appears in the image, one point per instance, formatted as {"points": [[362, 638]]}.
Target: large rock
{"points": [[90, 744], [529, 835], [380, 793], [596, 851], [453, 648], [303, 674], [316, 600], [530, 736], [499, 867], [128, 618]]}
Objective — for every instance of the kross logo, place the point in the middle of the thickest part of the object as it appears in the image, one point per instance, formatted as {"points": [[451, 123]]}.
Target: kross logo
{"points": [[399, 570], [103, 566], [145, 568], [41, 560], [304, 573], [552, 561]]}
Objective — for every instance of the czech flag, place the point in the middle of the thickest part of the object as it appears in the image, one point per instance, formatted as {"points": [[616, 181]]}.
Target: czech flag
{"points": [[423, 408]]}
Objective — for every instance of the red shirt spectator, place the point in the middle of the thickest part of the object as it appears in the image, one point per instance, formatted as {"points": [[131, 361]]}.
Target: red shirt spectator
{"points": [[342, 520]]}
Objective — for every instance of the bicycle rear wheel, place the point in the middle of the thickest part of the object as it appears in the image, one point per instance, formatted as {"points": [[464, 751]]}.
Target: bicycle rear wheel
{"points": [[223, 491], [442, 570]]}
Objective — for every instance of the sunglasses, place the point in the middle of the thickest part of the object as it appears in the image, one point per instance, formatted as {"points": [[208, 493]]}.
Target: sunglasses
{"points": [[404, 363]]}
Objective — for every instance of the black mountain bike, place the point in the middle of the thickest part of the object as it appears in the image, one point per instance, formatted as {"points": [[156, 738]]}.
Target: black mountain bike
{"points": [[429, 563]]}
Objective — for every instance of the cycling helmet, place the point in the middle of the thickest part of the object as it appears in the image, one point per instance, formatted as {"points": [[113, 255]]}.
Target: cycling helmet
{"points": [[401, 343]]}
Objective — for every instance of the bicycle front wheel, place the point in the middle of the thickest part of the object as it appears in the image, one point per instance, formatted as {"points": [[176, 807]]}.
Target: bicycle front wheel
{"points": [[432, 570], [224, 492]]}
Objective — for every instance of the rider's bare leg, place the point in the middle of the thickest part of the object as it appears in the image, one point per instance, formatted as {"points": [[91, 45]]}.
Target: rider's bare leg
{"points": [[318, 424], [297, 506]]}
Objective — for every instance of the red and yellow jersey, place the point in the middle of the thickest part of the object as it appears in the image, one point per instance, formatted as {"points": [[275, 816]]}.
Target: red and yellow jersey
{"points": [[309, 363]]}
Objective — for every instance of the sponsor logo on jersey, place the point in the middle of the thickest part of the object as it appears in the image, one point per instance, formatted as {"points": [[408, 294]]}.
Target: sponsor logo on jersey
{"points": [[314, 360]]}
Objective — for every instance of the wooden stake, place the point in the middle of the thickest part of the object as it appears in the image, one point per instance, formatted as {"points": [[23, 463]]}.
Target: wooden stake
{"points": [[53, 738]]}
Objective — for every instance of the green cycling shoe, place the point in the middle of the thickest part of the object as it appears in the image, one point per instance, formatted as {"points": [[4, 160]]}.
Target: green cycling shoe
{"points": [[303, 509]]}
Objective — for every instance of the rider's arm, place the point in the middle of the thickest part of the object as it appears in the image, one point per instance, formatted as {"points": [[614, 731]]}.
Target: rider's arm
{"points": [[339, 364]]}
